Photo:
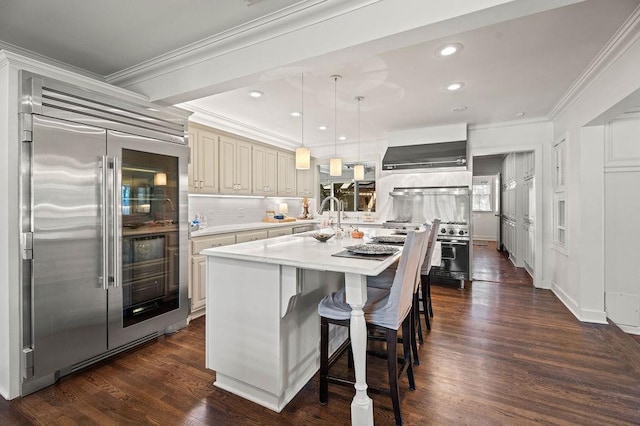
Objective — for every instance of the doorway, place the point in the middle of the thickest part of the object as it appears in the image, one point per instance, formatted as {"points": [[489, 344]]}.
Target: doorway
{"points": [[506, 202]]}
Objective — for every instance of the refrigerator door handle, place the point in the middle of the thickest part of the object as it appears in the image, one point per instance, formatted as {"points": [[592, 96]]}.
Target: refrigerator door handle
{"points": [[116, 219], [104, 220]]}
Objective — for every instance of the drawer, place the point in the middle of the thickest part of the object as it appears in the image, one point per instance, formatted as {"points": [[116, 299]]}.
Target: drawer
{"points": [[199, 244], [243, 237], [278, 232]]}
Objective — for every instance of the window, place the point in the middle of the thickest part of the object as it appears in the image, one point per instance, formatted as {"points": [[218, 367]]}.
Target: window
{"points": [[483, 193], [560, 219], [559, 196], [356, 195]]}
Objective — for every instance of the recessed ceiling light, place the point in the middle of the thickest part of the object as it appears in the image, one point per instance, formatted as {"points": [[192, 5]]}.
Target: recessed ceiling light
{"points": [[460, 108], [457, 85], [342, 138], [256, 94], [520, 114], [323, 127], [296, 114], [449, 49]]}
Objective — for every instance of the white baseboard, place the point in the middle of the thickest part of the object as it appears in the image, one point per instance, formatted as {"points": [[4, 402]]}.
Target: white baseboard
{"points": [[583, 315], [629, 329]]}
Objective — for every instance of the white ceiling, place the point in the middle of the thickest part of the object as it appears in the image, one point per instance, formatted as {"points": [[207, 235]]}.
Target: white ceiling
{"points": [[521, 65]]}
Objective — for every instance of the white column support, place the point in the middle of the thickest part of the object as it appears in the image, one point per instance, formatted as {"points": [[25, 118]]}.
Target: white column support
{"points": [[356, 293]]}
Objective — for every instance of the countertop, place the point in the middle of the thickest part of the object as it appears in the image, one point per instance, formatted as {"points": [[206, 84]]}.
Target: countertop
{"points": [[239, 227], [303, 251]]}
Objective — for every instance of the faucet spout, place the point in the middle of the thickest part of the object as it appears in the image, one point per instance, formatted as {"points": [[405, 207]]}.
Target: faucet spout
{"points": [[339, 207]]}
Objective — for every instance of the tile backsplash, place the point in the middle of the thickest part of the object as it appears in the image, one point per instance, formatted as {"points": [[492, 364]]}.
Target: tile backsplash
{"points": [[233, 210]]}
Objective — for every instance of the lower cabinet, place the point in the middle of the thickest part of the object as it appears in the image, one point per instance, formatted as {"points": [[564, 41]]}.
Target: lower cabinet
{"points": [[198, 270], [243, 237]]}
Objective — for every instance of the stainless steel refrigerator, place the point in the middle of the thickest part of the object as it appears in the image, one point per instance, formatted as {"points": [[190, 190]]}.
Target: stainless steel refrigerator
{"points": [[103, 217]]}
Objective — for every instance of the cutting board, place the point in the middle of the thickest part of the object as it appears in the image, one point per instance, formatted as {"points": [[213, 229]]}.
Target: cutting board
{"points": [[272, 220]]}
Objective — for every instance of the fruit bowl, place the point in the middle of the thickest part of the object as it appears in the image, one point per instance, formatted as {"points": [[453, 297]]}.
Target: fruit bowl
{"points": [[322, 237]]}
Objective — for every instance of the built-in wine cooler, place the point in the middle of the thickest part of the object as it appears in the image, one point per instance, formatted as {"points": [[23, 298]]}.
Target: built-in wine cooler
{"points": [[104, 207]]}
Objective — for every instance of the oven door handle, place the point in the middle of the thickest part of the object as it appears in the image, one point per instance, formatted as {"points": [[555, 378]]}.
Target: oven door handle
{"points": [[453, 243]]}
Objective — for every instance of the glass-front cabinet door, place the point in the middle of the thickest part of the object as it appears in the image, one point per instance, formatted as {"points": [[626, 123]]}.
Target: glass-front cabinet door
{"points": [[147, 248]]}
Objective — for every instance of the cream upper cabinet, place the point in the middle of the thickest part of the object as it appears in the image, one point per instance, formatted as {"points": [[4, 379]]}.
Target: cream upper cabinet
{"points": [[235, 166], [265, 170], [286, 174], [203, 164], [305, 181]]}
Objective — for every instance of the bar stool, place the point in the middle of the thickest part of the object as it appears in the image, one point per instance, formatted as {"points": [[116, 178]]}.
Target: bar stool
{"points": [[385, 310], [385, 279], [425, 279]]}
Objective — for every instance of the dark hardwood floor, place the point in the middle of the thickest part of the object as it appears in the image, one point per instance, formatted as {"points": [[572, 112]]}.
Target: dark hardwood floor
{"points": [[498, 353]]}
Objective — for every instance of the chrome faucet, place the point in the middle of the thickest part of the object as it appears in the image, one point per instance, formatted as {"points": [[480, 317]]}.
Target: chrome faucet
{"points": [[339, 205]]}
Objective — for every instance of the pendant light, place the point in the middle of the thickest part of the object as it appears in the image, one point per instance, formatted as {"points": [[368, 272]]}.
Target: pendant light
{"points": [[335, 164], [303, 155], [358, 170]]}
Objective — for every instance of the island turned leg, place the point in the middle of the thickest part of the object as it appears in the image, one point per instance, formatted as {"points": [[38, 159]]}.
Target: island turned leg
{"points": [[356, 292]]}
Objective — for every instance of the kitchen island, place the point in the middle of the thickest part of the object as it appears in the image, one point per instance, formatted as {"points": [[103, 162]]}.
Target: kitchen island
{"points": [[263, 329]]}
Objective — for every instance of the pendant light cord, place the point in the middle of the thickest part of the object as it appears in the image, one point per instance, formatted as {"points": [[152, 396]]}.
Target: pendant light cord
{"points": [[302, 110], [359, 98], [335, 117]]}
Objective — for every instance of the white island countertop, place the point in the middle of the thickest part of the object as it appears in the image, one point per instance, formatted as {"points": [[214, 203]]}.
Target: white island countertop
{"points": [[304, 251]]}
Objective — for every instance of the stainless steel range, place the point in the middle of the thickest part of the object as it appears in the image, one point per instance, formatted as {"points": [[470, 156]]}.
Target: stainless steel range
{"points": [[452, 205]]}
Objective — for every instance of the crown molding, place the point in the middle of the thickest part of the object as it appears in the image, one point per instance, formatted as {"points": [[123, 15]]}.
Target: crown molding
{"points": [[295, 17], [511, 123], [208, 118], [620, 42], [47, 60], [46, 69]]}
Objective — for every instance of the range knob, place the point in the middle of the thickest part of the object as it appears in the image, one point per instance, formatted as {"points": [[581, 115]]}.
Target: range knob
{"points": [[443, 231], [451, 232], [461, 232]]}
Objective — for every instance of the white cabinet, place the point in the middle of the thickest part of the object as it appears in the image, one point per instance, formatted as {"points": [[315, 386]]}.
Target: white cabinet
{"points": [[278, 232], [306, 182], [243, 237], [286, 174], [203, 164], [197, 271], [235, 166], [265, 170]]}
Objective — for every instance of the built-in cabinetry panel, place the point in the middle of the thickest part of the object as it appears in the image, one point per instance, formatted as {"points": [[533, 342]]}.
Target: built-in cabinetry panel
{"points": [[226, 164], [203, 167], [286, 174], [235, 166], [306, 181], [621, 230], [243, 237], [265, 170], [518, 208], [197, 276]]}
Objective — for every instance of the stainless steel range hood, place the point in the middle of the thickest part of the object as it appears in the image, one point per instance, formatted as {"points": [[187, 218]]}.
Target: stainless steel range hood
{"points": [[426, 156]]}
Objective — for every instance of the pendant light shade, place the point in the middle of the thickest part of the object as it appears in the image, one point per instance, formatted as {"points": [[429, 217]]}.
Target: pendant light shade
{"points": [[303, 158], [303, 155], [335, 164], [335, 167], [358, 170]]}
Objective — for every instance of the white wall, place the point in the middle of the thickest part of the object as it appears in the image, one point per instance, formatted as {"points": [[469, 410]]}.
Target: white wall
{"points": [[578, 277]]}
